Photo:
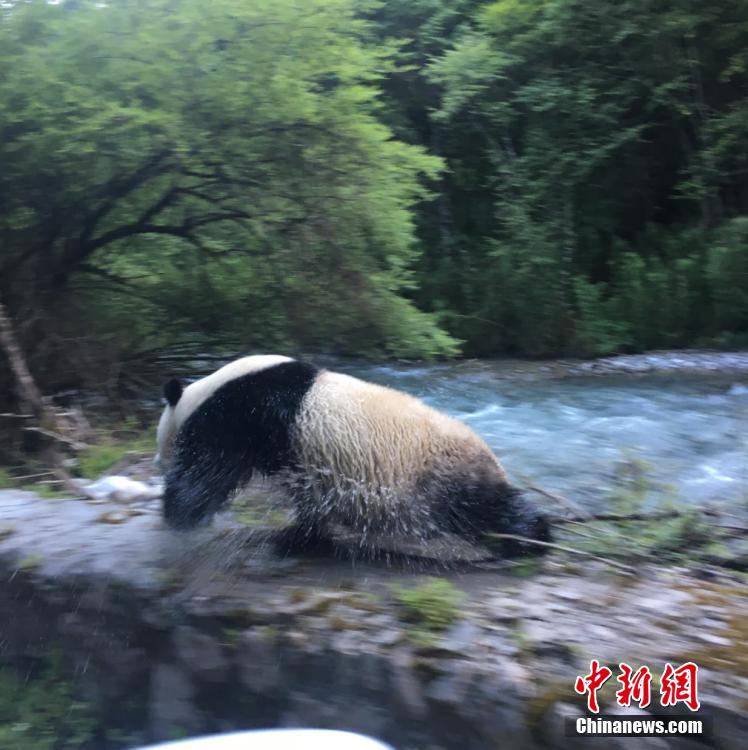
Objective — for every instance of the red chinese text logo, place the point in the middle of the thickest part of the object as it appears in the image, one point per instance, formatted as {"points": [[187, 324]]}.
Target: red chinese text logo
{"points": [[680, 686], [676, 685], [591, 683], [636, 686]]}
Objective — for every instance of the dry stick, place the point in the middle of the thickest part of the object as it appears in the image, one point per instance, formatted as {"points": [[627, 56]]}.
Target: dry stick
{"points": [[585, 534], [74, 444], [26, 477], [561, 548]]}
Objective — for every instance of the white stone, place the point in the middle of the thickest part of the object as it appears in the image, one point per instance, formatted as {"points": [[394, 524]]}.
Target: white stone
{"points": [[123, 489]]}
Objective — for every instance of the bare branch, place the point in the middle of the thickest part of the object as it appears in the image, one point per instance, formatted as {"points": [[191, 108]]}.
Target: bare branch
{"points": [[74, 444], [561, 548], [119, 187]]}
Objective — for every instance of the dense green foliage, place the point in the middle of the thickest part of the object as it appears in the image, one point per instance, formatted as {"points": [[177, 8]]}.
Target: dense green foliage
{"points": [[211, 172], [598, 154], [371, 177]]}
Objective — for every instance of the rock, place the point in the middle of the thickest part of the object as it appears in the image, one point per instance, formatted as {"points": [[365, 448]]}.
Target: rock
{"points": [[315, 604], [113, 517], [459, 639], [570, 593], [122, 489], [730, 728], [388, 636], [451, 689], [553, 724], [712, 639], [504, 608], [200, 653], [406, 688], [172, 703], [260, 661]]}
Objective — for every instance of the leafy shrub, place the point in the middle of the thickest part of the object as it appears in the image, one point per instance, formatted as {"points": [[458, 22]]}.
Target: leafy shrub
{"points": [[42, 713]]}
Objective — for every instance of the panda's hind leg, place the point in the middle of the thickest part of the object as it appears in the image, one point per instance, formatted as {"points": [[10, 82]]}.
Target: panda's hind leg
{"points": [[309, 532]]}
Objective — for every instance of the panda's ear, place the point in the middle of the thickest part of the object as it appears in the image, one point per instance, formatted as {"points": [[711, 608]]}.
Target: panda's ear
{"points": [[172, 391]]}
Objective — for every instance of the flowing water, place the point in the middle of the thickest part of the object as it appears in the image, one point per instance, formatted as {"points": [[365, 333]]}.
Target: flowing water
{"points": [[572, 433]]}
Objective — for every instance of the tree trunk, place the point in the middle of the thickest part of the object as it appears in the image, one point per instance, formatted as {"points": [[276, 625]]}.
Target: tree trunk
{"points": [[27, 389], [45, 416]]}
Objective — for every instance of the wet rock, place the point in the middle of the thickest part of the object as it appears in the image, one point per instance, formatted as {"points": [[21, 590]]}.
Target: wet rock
{"points": [[459, 640], [712, 639], [315, 603], [209, 644], [498, 703], [114, 517], [200, 653], [451, 690], [504, 608], [388, 636], [406, 687], [260, 661], [730, 730], [553, 725], [172, 702]]}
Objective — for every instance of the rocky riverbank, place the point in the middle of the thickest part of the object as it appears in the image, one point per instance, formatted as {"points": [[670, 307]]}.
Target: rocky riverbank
{"points": [[165, 634], [686, 361]]}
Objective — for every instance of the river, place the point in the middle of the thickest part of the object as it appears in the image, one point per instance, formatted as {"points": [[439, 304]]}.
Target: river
{"points": [[570, 429]]}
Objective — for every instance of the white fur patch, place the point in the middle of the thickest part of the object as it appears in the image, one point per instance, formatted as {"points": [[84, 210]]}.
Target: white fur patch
{"points": [[364, 447], [201, 390]]}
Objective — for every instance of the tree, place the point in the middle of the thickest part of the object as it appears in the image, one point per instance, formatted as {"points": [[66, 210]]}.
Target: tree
{"points": [[577, 133], [146, 145]]}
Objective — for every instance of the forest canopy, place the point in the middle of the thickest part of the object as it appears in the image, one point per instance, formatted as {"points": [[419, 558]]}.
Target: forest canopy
{"points": [[379, 178]]}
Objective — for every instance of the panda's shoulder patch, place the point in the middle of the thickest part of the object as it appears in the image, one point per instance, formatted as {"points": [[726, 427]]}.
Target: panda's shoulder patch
{"points": [[254, 412]]}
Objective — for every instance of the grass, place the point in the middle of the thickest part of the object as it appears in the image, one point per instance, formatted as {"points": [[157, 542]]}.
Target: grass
{"points": [[678, 540], [432, 607], [6, 480], [98, 459], [30, 562], [50, 491], [6, 530], [42, 713]]}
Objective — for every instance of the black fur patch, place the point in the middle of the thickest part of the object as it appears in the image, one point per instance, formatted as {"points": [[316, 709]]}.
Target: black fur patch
{"points": [[471, 507], [244, 427], [172, 391]]}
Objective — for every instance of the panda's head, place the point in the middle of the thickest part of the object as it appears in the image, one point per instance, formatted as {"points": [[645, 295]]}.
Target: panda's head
{"points": [[497, 507], [168, 424], [522, 519]]}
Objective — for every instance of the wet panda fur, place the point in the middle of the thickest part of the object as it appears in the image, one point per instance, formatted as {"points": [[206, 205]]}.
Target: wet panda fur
{"points": [[344, 450]]}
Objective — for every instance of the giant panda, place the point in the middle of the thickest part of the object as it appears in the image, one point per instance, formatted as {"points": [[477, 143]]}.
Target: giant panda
{"points": [[344, 450]]}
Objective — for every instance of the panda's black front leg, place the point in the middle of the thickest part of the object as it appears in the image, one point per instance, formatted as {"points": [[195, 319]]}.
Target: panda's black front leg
{"points": [[199, 483]]}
